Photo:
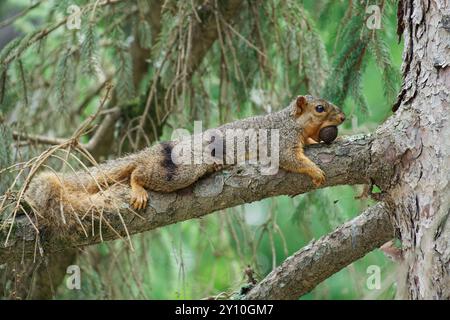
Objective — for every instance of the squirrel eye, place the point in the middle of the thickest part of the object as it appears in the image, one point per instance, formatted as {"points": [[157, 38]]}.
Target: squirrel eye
{"points": [[320, 108]]}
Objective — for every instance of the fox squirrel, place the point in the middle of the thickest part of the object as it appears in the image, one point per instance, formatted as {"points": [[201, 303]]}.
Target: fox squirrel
{"points": [[299, 124]]}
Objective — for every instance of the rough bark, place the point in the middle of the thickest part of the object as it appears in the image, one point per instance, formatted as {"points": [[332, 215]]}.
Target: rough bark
{"points": [[420, 192], [348, 161], [302, 271]]}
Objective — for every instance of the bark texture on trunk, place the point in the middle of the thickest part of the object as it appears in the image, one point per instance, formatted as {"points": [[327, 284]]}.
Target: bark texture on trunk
{"points": [[420, 191]]}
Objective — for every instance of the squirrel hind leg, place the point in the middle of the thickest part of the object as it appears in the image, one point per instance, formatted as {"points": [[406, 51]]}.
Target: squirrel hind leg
{"points": [[139, 195]]}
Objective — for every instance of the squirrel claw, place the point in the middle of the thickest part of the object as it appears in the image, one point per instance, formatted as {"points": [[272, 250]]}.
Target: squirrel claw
{"points": [[139, 200], [318, 179]]}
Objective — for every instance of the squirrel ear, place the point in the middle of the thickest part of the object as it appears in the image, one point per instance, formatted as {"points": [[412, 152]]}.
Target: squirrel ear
{"points": [[300, 106]]}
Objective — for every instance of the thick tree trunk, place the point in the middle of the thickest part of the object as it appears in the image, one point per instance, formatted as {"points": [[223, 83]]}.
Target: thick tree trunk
{"points": [[420, 194]]}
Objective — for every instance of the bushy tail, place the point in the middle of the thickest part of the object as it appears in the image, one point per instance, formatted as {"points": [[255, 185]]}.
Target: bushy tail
{"points": [[63, 200]]}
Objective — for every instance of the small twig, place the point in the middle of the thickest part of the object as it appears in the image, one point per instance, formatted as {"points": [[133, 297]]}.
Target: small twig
{"points": [[11, 20], [39, 35], [38, 138], [85, 125], [251, 45], [92, 95]]}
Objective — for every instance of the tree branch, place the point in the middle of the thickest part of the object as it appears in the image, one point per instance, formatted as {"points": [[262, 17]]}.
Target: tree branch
{"points": [[347, 161], [35, 138], [204, 34], [320, 259], [97, 145], [100, 144]]}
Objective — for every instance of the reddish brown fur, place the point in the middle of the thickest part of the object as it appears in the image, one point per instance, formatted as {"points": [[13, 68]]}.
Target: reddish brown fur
{"points": [[152, 168]]}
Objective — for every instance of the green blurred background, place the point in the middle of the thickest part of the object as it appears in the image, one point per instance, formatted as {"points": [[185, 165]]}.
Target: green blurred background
{"points": [[207, 257]]}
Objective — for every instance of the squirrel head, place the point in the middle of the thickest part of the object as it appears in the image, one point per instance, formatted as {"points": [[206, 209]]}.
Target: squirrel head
{"points": [[312, 114]]}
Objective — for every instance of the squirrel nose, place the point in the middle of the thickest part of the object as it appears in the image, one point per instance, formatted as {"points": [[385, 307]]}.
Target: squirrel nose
{"points": [[342, 117]]}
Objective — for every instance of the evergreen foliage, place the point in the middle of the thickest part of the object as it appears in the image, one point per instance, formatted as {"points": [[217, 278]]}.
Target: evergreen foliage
{"points": [[52, 79]]}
